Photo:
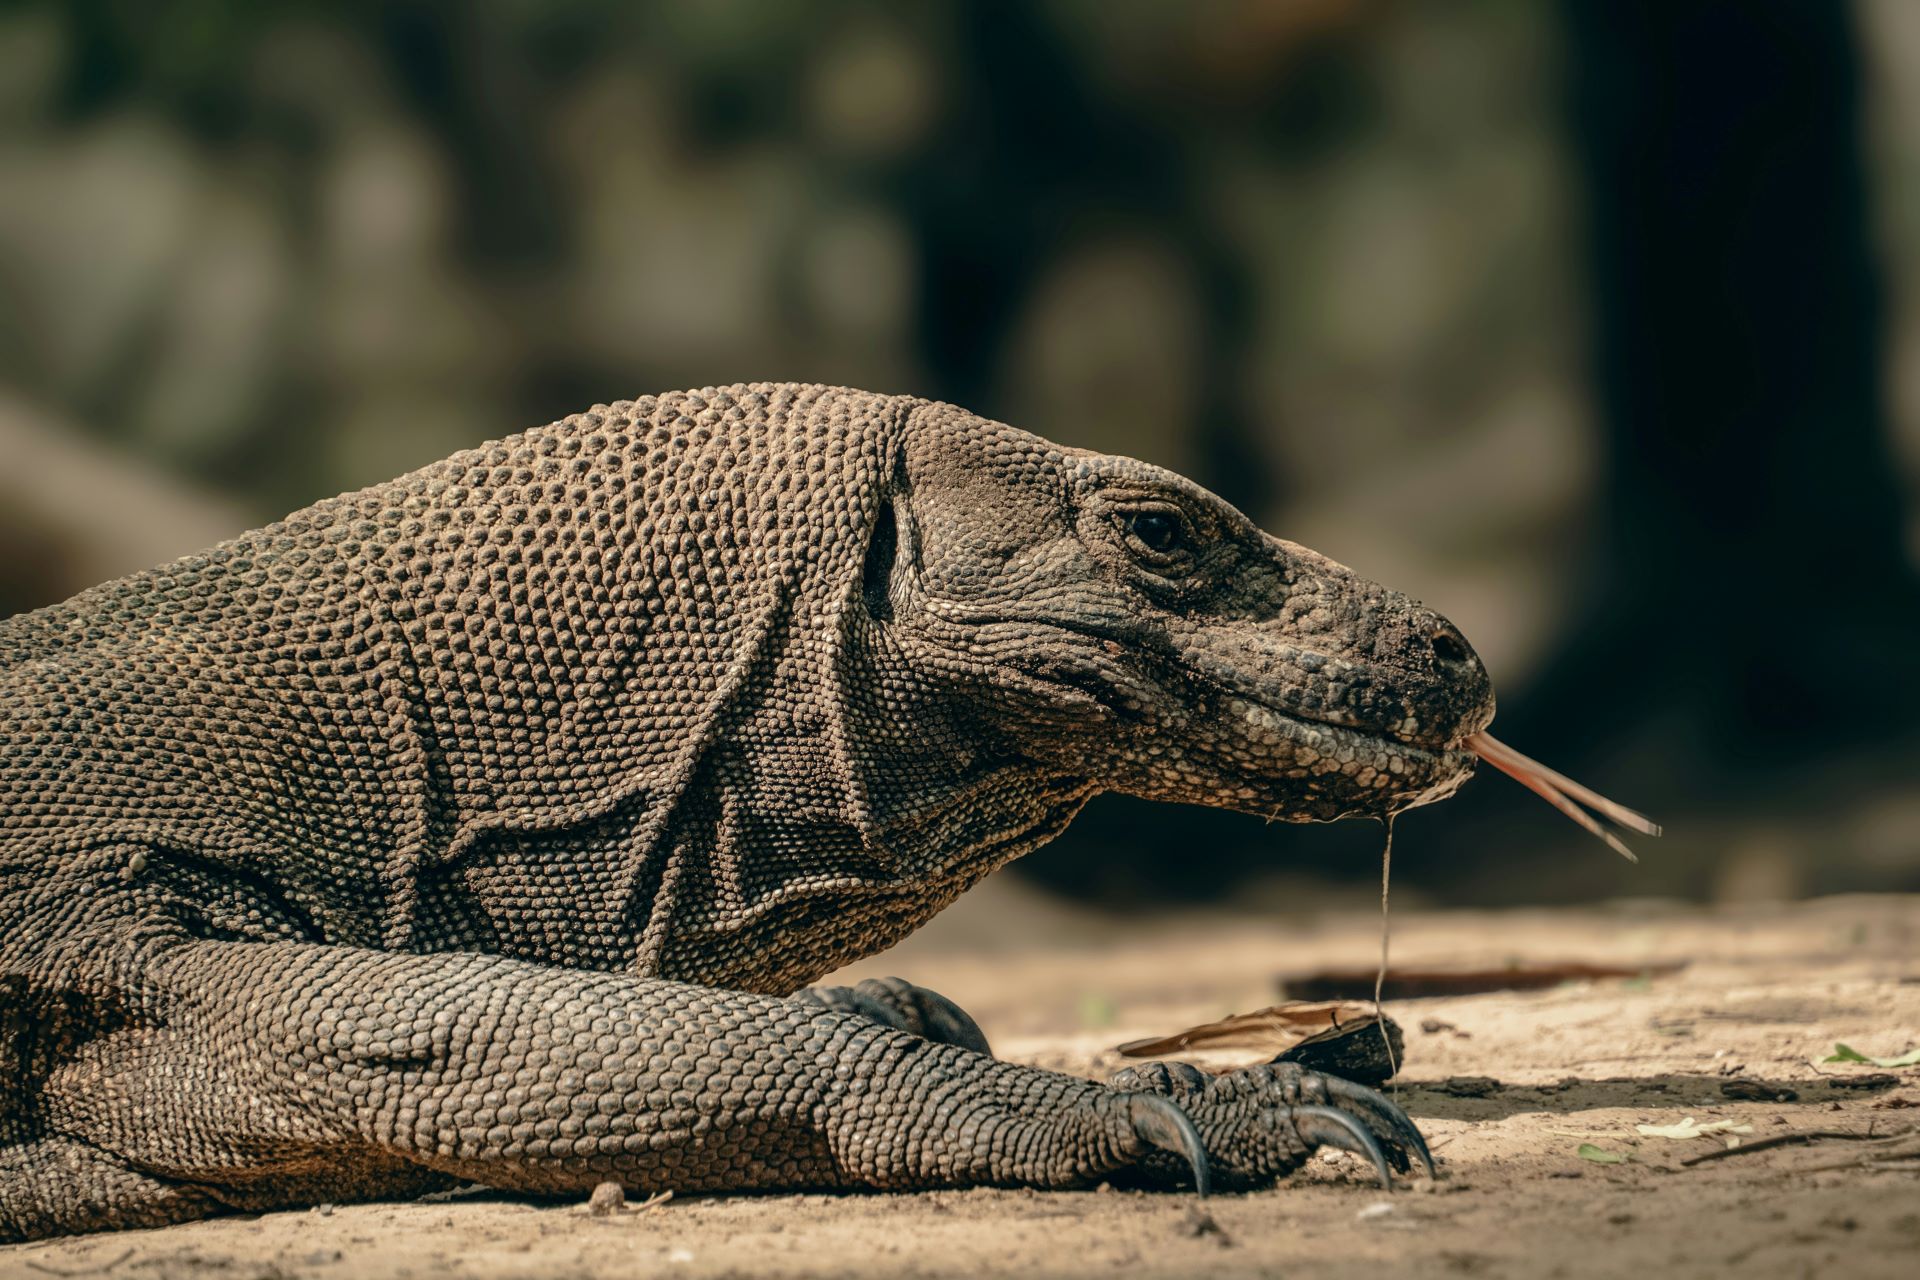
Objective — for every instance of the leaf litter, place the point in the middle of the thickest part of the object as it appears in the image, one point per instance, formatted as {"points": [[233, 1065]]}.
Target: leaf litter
{"points": [[1689, 1129]]}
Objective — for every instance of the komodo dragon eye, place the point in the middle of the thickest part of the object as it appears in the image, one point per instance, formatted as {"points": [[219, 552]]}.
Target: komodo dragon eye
{"points": [[1158, 531]]}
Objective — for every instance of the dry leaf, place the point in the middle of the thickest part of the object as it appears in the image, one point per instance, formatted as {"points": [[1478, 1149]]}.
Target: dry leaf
{"points": [[1687, 1129], [1340, 1037], [1273, 1029]]}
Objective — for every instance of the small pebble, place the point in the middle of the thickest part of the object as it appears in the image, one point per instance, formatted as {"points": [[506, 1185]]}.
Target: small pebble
{"points": [[607, 1198]]}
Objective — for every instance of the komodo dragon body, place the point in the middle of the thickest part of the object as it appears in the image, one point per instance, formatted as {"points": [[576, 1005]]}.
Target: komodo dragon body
{"points": [[484, 824]]}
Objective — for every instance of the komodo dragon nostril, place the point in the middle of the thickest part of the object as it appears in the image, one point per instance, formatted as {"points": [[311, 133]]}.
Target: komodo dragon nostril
{"points": [[1447, 644]]}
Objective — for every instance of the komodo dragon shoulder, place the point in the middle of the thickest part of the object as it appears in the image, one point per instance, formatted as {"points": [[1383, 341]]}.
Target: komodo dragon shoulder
{"points": [[487, 824]]}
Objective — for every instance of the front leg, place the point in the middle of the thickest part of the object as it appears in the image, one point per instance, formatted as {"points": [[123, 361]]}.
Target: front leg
{"points": [[256, 1075]]}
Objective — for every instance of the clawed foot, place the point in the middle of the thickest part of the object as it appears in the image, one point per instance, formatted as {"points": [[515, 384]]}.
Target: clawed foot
{"points": [[1166, 1124], [1253, 1126]]}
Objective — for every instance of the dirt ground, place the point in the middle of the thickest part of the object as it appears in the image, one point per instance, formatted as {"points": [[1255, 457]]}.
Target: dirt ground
{"points": [[1765, 993]]}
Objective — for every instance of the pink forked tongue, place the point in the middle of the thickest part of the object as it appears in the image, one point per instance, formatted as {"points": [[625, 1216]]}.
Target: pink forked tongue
{"points": [[1561, 792]]}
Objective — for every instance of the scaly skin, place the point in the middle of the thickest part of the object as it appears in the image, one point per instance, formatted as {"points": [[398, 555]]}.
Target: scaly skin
{"points": [[483, 824]]}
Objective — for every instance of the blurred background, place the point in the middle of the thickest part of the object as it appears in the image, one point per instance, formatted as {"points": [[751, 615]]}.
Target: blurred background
{"points": [[1596, 326]]}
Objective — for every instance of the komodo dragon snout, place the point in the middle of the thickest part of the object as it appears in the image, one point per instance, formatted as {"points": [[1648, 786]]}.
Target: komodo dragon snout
{"points": [[1147, 634]]}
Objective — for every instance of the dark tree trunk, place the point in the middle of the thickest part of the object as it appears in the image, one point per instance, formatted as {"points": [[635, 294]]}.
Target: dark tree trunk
{"points": [[1752, 560], [1751, 621]]}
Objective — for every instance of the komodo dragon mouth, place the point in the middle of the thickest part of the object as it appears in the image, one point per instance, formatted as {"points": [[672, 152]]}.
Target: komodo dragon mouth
{"points": [[1410, 761], [1291, 743]]}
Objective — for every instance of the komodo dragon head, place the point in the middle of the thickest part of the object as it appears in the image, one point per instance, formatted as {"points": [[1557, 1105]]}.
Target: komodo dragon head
{"points": [[1143, 633]]}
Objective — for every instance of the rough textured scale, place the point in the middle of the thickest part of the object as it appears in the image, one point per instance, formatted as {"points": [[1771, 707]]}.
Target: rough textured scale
{"points": [[484, 824]]}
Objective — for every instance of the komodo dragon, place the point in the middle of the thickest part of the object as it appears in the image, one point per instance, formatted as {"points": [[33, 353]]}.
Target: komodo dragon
{"points": [[482, 825]]}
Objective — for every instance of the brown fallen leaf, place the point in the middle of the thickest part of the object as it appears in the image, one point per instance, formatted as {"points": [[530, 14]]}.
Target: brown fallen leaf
{"points": [[1334, 985], [1273, 1029], [1338, 1036]]}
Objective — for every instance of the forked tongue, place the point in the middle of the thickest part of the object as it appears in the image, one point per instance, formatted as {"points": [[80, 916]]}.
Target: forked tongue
{"points": [[1562, 792]]}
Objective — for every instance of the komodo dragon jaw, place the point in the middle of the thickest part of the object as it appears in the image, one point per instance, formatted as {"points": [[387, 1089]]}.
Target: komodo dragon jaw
{"points": [[1140, 631]]}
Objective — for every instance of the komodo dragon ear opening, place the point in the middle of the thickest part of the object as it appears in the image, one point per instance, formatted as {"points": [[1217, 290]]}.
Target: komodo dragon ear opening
{"points": [[890, 547], [883, 552]]}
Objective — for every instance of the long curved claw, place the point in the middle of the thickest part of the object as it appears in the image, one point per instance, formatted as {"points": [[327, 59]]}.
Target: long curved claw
{"points": [[1332, 1127], [1385, 1119], [1162, 1124]]}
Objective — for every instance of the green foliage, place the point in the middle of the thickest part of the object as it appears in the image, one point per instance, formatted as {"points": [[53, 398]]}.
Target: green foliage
{"points": [[1846, 1053]]}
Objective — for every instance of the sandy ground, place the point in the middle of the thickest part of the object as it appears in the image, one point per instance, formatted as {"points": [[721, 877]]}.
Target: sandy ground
{"points": [[1765, 993]]}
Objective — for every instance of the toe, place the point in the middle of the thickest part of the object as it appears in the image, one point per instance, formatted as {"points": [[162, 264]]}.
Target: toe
{"points": [[1331, 1127], [1388, 1122], [1173, 1079], [1163, 1126]]}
